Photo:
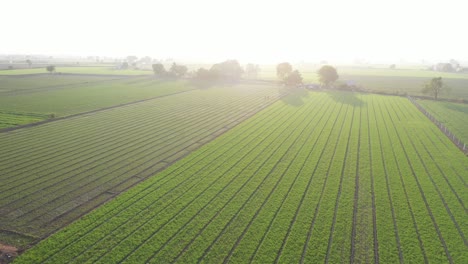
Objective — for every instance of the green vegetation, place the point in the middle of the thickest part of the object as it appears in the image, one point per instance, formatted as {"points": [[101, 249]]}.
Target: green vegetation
{"points": [[453, 115], [18, 84], [385, 80], [53, 173], [79, 70], [334, 177], [434, 87], [327, 75], [67, 99], [10, 119]]}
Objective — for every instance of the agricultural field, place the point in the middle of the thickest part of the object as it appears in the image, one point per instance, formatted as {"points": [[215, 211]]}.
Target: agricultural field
{"points": [[316, 177], [453, 115], [396, 81], [10, 119], [53, 173], [77, 70], [68, 95], [19, 84]]}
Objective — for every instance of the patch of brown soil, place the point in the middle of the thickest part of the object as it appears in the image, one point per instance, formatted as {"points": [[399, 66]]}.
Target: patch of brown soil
{"points": [[7, 253]]}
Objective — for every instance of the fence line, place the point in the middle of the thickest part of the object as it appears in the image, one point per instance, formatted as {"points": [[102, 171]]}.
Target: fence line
{"points": [[461, 145]]}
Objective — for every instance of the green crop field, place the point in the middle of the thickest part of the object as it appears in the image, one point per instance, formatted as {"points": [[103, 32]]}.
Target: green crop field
{"points": [[67, 95], [10, 119], [53, 173], [454, 116], [78, 70], [316, 177], [21, 84]]}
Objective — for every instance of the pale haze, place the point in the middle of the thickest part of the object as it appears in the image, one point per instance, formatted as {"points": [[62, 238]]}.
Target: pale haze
{"points": [[257, 31]]}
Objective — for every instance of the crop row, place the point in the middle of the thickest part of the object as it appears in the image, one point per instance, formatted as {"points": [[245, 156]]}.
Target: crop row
{"points": [[42, 186], [453, 115], [342, 178]]}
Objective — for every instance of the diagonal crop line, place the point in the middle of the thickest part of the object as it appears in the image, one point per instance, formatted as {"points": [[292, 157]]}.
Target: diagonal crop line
{"points": [[216, 215], [442, 171], [301, 202], [109, 173], [226, 259], [184, 208], [141, 150], [449, 212], [395, 226], [108, 134], [309, 232], [404, 185], [356, 195], [423, 195], [374, 214], [332, 229], [205, 166], [88, 112], [142, 116], [251, 196], [151, 190]]}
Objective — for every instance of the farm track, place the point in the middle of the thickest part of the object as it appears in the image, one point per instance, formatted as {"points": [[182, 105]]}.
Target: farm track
{"points": [[341, 177], [49, 195]]}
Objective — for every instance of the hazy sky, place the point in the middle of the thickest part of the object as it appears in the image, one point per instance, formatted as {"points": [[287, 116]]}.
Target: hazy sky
{"points": [[248, 30]]}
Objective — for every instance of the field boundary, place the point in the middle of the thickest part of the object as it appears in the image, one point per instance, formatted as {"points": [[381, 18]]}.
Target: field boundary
{"points": [[460, 144], [8, 129]]}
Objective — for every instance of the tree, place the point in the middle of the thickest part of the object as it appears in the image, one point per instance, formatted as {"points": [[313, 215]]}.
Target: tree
{"points": [[203, 74], [178, 70], [283, 70], [158, 69], [392, 66], [434, 87], [50, 68], [252, 70], [228, 70], [293, 79], [29, 62], [327, 75]]}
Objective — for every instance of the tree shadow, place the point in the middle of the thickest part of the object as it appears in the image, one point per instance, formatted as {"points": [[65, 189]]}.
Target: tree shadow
{"points": [[295, 97], [346, 97]]}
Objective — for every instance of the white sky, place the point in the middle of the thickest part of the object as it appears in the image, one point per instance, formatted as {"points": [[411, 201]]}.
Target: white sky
{"points": [[248, 30]]}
